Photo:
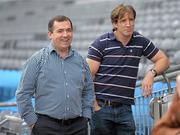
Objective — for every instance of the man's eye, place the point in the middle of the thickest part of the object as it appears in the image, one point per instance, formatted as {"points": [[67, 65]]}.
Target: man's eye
{"points": [[122, 21], [59, 31], [69, 30]]}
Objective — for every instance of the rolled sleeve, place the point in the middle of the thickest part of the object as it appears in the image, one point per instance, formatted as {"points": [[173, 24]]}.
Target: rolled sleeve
{"points": [[30, 118], [87, 112]]}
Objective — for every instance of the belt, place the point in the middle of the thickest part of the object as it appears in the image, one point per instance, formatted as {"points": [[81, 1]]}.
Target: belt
{"points": [[103, 102], [60, 121]]}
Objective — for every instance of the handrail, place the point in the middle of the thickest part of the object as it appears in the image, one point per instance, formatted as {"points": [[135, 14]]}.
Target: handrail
{"points": [[173, 68], [161, 78], [168, 82], [6, 104]]}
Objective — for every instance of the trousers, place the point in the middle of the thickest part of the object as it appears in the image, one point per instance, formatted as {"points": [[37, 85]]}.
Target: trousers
{"points": [[46, 125], [113, 120]]}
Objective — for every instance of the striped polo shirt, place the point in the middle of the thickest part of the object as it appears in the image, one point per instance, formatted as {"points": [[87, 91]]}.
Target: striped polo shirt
{"points": [[117, 74]]}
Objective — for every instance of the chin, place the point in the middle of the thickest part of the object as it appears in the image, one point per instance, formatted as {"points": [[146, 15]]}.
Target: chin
{"points": [[66, 46], [128, 34]]}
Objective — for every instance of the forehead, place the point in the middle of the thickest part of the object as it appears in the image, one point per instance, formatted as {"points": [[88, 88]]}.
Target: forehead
{"points": [[127, 14], [62, 25]]}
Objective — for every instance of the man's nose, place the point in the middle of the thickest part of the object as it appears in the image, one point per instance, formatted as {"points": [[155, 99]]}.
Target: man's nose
{"points": [[65, 33], [128, 22]]}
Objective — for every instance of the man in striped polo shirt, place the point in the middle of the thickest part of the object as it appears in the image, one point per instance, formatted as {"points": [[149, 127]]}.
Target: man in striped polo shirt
{"points": [[114, 59]]}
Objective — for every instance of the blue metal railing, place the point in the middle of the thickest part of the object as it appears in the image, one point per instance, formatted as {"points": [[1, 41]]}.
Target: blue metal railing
{"points": [[141, 110]]}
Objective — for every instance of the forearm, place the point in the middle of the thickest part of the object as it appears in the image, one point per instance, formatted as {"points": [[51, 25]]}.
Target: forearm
{"points": [[88, 98], [161, 66], [25, 107], [161, 62]]}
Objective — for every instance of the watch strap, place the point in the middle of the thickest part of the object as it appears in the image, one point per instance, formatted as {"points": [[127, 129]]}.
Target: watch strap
{"points": [[154, 72]]}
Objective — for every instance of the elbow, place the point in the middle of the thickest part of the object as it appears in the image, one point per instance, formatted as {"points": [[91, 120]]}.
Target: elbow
{"points": [[167, 63]]}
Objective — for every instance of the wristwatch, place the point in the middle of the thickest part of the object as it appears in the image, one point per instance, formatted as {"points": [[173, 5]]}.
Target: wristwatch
{"points": [[154, 72]]}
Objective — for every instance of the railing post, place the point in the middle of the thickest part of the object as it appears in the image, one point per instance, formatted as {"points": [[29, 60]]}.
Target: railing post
{"points": [[168, 82]]}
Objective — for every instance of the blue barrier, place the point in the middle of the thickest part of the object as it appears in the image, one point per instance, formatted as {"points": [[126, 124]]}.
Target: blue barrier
{"points": [[9, 80], [9, 108]]}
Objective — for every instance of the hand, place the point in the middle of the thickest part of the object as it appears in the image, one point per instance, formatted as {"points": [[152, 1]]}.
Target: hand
{"points": [[31, 126], [147, 84], [96, 106], [87, 119]]}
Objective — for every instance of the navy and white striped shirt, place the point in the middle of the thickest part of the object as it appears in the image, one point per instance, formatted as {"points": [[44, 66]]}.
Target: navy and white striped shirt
{"points": [[117, 74], [63, 88]]}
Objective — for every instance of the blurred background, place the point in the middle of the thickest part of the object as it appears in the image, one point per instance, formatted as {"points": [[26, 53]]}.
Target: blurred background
{"points": [[23, 31]]}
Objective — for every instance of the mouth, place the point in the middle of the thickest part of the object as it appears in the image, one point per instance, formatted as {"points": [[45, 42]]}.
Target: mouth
{"points": [[129, 30], [65, 41]]}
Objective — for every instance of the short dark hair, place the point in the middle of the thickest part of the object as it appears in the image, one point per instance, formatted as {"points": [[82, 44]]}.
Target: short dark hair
{"points": [[58, 18]]}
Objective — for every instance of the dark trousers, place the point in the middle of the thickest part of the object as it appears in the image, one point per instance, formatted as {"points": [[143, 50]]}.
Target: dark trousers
{"points": [[50, 126]]}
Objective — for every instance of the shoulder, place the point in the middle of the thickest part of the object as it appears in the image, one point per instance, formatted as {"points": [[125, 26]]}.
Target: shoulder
{"points": [[37, 55], [139, 36], [140, 39], [40, 52], [105, 37], [101, 42], [78, 56]]}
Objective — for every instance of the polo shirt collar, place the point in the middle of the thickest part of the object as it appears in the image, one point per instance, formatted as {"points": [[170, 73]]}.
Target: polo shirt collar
{"points": [[112, 36]]}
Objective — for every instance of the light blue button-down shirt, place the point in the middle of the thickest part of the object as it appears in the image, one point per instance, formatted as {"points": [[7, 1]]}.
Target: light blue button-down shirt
{"points": [[63, 88]]}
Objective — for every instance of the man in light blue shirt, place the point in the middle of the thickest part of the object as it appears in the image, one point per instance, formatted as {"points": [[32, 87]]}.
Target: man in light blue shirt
{"points": [[60, 80]]}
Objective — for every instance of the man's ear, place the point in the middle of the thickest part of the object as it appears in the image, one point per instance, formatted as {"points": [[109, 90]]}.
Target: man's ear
{"points": [[114, 26], [49, 35]]}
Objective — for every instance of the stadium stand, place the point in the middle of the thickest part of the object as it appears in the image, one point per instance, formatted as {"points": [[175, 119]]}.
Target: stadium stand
{"points": [[23, 25]]}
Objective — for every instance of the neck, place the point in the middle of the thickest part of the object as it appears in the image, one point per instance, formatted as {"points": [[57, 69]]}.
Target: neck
{"points": [[123, 39], [63, 53]]}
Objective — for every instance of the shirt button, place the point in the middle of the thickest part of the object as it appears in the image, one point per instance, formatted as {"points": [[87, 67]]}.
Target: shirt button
{"points": [[67, 96], [66, 84], [64, 72], [68, 108]]}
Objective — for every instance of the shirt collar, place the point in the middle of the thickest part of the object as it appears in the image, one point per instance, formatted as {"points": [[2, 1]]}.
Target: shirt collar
{"points": [[112, 36], [51, 48]]}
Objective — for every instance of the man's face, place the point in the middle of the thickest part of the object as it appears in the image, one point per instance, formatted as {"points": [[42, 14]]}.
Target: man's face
{"points": [[125, 25], [62, 35]]}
